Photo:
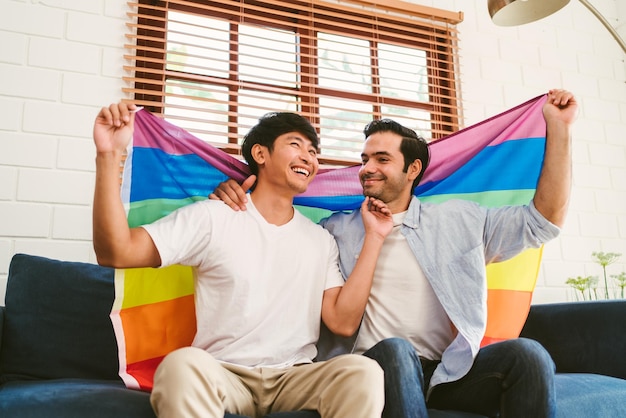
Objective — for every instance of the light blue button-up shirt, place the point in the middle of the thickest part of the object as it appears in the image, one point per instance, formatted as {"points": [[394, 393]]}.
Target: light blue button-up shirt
{"points": [[452, 242]]}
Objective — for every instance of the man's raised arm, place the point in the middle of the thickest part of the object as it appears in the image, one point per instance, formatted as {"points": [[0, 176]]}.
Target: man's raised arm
{"points": [[555, 182], [116, 244]]}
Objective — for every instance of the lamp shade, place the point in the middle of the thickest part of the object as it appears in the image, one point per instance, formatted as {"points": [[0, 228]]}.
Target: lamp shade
{"points": [[518, 12]]}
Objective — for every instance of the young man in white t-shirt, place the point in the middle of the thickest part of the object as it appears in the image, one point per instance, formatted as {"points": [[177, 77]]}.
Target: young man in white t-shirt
{"points": [[264, 277]]}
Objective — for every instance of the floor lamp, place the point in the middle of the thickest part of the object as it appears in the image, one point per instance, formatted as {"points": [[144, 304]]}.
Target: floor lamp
{"points": [[518, 12]]}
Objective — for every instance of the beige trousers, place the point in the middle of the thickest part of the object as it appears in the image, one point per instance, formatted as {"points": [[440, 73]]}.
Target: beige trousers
{"points": [[189, 382]]}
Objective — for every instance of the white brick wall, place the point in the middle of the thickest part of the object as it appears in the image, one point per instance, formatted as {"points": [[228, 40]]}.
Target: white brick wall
{"points": [[60, 60]]}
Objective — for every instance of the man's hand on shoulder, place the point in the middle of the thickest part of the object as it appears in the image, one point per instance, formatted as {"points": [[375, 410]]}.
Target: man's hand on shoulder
{"points": [[233, 194]]}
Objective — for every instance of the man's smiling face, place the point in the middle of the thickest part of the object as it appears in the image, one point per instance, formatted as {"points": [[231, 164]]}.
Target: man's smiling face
{"points": [[292, 162], [382, 168]]}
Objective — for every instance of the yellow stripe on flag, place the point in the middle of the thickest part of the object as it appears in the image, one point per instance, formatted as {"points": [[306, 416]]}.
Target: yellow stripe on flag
{"points": [[144, 285], [518, 273]]}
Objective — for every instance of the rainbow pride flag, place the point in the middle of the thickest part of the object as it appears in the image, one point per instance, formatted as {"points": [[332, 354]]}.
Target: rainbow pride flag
{"points": [[495, 162]]}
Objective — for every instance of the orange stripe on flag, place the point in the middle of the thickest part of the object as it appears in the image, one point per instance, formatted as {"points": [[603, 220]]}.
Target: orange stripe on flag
{"points": [[507, 311], [156, 329]]}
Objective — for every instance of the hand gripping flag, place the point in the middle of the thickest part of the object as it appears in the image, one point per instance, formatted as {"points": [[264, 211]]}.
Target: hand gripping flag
{"points": [[495, 162]]}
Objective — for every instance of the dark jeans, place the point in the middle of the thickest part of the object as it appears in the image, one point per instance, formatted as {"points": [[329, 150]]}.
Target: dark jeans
{"points": [[510, 379]]}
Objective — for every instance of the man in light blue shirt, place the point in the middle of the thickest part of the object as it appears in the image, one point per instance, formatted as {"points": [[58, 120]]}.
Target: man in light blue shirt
{"points": [[430, 283]]}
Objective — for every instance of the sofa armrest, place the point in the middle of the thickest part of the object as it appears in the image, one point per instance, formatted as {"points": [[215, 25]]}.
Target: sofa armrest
{"points": [[581, 337]]}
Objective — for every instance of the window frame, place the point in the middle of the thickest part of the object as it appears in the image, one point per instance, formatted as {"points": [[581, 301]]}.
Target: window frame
{"points": [[150, 71]]}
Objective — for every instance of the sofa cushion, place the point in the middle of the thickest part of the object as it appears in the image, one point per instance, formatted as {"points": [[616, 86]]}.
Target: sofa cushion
{"points": [[583, 395], [71, 398], [56, 321]]}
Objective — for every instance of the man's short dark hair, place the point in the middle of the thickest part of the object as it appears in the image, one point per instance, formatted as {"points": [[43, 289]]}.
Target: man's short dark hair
{"points": [[269, 127], [413, 147]]}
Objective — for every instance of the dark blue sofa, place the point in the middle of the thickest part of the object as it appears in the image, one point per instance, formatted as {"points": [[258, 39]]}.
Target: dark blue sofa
{"points": [[58, 353]]}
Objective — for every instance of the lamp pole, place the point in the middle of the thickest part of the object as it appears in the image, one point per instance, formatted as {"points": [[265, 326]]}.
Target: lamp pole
{"points": [[605, 22]]}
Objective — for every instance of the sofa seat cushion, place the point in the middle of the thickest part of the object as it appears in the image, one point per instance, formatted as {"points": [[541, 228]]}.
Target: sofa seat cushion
{"points": [[71, 398], [584, 395], [76, 398]]}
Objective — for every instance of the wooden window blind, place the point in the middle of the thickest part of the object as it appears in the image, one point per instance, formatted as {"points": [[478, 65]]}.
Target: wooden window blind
{"points": [[215, 67]]}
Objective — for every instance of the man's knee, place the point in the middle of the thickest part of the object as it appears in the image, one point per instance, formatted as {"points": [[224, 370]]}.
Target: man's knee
{"points": [[532, 352], [393, 346], [180, 362], [361, 371]]}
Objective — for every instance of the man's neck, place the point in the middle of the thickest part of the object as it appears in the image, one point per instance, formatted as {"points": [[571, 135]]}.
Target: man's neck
{"points": [[275, 209]]}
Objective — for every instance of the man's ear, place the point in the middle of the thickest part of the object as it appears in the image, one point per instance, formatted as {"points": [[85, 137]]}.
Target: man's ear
{"points": [[414, 169], [258, 153]]}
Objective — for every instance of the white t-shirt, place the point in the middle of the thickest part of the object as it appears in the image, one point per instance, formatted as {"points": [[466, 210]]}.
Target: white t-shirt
{"points": [[402, 303], [259, 286]]}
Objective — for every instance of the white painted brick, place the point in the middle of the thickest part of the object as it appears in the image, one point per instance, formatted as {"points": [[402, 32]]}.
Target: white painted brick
{"points": [[614, 245], [113, 63], [56, 249], [500, 71], [91, 90], [60, 119], [5, 256], [72, 222], [32, 19], [587, 130], [77, 154], [571, 226], [63, 55], [582, 85], [580, 152], [601, 110], [583, 200], [610, 201], [538, 34], [512, 49], [515, 94], [96, 30], [591, 176], [557, 273], [116, 9], [576, 249], [541, 78], [599, 225], [543, 295], [612, 89], [574, 41], [590, 65], [3, 289], [14, 48], [54, 186], [27, 150], [11, 111], [555, 58], [618, 178], [29, 82], [552, 249], [8, 185], [621, 222], [91, 6], [25, 219], [607, 155], [615, 133]]}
